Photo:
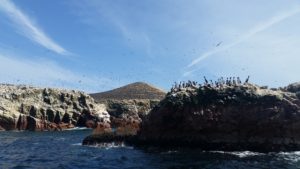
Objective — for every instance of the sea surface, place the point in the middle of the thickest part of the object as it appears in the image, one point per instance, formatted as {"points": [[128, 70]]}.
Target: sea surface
{"points": [[64, 150]]}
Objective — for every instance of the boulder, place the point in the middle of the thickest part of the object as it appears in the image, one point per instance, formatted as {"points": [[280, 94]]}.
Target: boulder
{"points": [[294, 87]]}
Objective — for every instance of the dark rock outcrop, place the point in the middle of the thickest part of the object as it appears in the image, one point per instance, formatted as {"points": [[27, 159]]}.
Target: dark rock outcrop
{"points": [[223, 117], [294, 87], [242, 117]]}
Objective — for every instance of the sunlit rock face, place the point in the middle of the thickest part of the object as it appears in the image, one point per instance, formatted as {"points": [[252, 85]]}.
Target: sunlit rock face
{"points": [[226, 117], [38, 109]]}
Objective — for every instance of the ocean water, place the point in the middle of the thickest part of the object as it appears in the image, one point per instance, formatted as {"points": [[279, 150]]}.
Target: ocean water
{"points": [[64, 150]]}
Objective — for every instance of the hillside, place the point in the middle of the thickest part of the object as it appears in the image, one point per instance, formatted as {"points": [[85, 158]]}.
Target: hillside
{"points": [[138, 90]]}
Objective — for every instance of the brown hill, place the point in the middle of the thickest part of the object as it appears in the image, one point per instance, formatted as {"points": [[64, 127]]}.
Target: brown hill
{"points": [[138, 90]]}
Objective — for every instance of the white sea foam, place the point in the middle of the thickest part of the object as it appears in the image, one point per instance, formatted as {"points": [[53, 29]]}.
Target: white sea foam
{"points": [[293, 156], [77, 144], [111, 145], [241, 154], [78, 128]]}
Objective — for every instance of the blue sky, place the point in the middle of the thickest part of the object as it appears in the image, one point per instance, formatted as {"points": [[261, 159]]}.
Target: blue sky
{"points": [[97, 45]]}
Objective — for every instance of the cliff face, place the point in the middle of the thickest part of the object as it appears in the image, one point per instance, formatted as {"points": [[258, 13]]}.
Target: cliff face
{"points": [[237, 117], [29, 108]]}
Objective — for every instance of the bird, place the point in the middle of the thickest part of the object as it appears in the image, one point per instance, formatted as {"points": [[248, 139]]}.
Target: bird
{"points": [[247, 80], [219, 43], [206, 81]]}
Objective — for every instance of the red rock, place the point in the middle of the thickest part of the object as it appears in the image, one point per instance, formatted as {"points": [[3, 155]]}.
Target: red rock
{"points": [[90, 124], [102, 128], [22, 122]]}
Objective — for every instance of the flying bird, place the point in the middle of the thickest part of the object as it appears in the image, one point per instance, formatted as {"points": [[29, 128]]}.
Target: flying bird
{"points": [[219, 43]]}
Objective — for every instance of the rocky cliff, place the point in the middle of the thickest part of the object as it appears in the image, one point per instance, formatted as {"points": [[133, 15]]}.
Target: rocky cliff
{"points": [[29, 108], [231, 116]]}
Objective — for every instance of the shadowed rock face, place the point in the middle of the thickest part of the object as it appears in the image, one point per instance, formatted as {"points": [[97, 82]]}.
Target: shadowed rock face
{"points": [[229, 117], [126, 114], [37, 109], [242, 117]]}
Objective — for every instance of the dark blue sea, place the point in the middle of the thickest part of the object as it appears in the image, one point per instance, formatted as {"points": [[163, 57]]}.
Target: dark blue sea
{"points": [[56, 150]]}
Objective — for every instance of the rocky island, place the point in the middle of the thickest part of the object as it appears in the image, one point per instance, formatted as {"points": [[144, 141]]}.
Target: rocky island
{"points": [[222, 115], [225, 115]]}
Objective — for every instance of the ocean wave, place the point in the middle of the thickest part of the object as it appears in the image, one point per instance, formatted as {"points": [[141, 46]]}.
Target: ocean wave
{"points": [[111, 145], [293, 156], [78, 128], [77, 144], [241, 154]]}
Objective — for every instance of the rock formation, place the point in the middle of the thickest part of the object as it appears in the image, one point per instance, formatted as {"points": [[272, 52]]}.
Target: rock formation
{"points": [[29, 108], [128, 105], [293, 88], [229, 115]]}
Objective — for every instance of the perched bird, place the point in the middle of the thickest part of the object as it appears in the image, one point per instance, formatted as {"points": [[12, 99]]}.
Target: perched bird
{"points": [[206, 82], [247, 80]]}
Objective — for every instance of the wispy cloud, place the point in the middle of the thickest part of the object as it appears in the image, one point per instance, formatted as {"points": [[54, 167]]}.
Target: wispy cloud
{"points": [[28, 28], [252, 32], [15, 69], [135, 37]]}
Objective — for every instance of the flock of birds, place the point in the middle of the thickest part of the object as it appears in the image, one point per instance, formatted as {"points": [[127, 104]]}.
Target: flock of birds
{"points": [[220, 83]]}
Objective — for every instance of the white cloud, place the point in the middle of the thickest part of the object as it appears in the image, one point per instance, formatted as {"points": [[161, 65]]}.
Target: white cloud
{"points": [[46, 73], [252, 32], [29, 28]]}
